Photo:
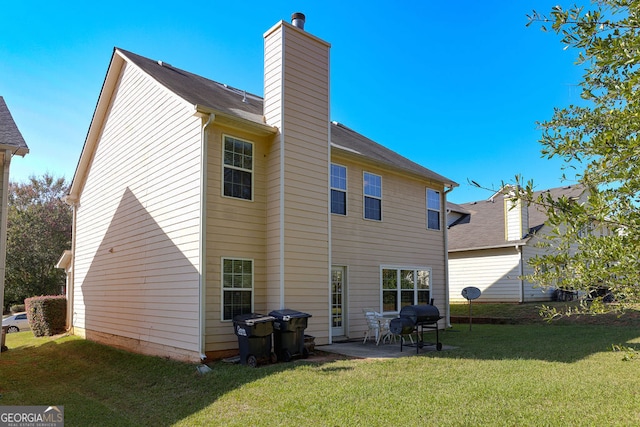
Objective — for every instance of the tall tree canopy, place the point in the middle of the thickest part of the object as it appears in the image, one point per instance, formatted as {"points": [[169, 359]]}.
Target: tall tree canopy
{"points": [[38, 231], [596, 244]]}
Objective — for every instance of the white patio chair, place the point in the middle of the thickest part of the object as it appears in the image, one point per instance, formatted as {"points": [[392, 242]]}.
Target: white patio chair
{"points": [[373, 326], [385, 333]]}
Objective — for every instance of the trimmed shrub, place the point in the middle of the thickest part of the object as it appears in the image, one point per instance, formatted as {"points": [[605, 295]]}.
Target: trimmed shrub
{"points": [[47, 314], [17, 308]]}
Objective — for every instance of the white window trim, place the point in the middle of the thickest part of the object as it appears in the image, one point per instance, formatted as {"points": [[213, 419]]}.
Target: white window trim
{"points": [[224, 165], [440, 215], [399, 289], [345, 190], [365, 195], [222, 288]]}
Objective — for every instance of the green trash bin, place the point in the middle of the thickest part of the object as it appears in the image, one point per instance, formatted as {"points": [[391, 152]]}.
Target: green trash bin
{"points": [[254, 332], [288, 333]]}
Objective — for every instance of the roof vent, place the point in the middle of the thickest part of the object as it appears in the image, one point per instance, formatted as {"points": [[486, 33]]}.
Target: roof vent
{"points": [[163, 64], [297, 20]]}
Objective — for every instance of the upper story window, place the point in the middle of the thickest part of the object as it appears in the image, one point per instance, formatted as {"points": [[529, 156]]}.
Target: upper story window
{"points": [[338, 189], [238, 168], [372, 196], [237, 287], [433, 209]]}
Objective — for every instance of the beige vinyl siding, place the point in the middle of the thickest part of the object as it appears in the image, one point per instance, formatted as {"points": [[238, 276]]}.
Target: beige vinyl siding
{"points": [[516, 216], [273, 102], [494, 271], [306, 233], [235, 229], [401, 239], [297, 102], [136, 258]]}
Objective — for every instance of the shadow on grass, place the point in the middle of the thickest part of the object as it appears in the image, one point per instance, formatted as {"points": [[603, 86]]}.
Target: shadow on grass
{"points": [[547, 342], [99, 385]]}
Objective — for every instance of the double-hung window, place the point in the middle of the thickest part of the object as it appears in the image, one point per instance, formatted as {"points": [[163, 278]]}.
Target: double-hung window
{"points": [[338, 189], [237, 287], [372, 196], [238, 168], [433, 209], [405, 286]]}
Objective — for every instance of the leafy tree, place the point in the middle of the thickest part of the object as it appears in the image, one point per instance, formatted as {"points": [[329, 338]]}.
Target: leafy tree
{"points": [[600, 139], [39, 226]]}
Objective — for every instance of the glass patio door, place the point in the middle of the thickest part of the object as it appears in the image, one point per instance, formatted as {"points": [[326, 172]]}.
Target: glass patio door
{"points": [[338, 308]]}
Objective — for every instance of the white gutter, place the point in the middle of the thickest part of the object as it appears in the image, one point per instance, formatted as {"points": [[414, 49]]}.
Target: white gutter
{"points": [[202, 282], [446, 260]]}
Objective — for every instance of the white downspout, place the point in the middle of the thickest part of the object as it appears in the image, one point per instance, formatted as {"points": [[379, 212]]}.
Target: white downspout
{"points": [[202, 283], [3, 224], [521, 268], [72, 279], [446, 260], [330, 245]]}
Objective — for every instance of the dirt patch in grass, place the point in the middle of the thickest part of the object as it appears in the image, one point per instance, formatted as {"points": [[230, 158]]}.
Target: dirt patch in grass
{"points": [[528, 313], [318, 356]]}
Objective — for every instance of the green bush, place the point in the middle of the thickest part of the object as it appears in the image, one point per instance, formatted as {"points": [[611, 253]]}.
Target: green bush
{"points": [[17, 308], [47, 314]]}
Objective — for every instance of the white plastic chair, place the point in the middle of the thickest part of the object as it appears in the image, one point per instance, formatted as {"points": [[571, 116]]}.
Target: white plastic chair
{"points": [[385, 332], [373, 326], [378, 327]]}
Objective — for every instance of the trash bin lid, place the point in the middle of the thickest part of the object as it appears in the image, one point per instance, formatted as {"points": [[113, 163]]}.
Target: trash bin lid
{"points": [[252, 318], [286, 314]]}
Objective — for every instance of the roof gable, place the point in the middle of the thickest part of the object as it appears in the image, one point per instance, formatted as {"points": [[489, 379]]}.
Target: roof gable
{"points": [[211, 95], [200, 91], [10, 136], [483, 225]]}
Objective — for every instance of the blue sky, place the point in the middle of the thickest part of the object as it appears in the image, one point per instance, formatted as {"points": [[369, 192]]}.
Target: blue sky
{"points": [[455, 86]]}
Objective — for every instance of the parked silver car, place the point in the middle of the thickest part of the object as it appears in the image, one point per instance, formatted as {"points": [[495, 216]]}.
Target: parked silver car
{"points": [[16, 323]]}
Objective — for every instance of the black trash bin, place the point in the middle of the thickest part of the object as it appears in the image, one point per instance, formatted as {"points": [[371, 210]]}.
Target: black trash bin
{"points": [[254, 333], [288, 333]]}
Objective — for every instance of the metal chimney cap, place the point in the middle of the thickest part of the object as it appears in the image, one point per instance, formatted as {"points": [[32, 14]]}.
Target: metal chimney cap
{"points": [[298, 20]]}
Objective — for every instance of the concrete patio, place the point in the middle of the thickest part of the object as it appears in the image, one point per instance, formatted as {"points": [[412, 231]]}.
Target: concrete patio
{"points": [[370, 350]]}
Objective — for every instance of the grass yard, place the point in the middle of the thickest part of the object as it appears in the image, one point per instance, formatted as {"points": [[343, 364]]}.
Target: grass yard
{"points": [[534, 374]]}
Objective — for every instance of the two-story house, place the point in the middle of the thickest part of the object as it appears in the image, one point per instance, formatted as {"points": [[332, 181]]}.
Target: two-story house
{"points": [[11, 143], [194, 202], [491, 242]]}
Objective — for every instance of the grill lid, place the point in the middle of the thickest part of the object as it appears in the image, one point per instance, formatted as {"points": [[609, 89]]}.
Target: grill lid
{"points": [[422, 313]]}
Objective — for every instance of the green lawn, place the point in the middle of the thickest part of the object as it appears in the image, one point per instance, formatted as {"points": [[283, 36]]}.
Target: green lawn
{"points": [[535, 374]]}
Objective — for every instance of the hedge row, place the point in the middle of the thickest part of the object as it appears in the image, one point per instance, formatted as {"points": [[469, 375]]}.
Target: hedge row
{"points": [[47, 314], [17, 308]]}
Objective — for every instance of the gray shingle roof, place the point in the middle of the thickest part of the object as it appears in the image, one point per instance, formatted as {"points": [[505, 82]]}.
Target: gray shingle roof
{"points": [[347, 139], [201, 91], [483, 226], [9, 133]]}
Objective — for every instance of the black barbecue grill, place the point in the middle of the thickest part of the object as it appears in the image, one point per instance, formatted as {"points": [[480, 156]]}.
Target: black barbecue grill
{"points": [[417, 318]]}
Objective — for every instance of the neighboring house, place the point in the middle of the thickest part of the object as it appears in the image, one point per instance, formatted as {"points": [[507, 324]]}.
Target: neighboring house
{"points": [[195, 202], [11, 143], [490, 243]]}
